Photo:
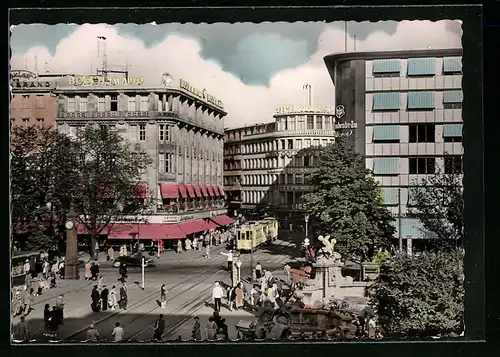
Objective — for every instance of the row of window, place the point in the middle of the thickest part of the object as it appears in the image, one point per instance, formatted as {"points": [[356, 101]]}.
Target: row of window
{"points": [[306, 122], [416, 100], [281, 179], [390, 195], [389, 166], [134, 104], [283, 144], [274, 197], [26, 122], [26, 103], [276, 162], [416, 67], [418, 133]]}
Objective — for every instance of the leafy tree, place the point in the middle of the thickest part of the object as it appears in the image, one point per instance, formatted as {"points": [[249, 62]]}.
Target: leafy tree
{"points": [[109, 174], [439, 205], [43, 178], [420, 295], [347, 204]]}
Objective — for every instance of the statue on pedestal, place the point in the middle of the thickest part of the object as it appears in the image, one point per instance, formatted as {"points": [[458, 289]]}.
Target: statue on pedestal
{"points": [[327, 253]]}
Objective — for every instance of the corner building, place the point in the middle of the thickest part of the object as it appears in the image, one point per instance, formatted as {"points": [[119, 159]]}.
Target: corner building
{"points": [[183, 134], [408, 110]]}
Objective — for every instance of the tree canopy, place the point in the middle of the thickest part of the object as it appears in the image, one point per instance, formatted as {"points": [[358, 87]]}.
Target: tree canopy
{"points": [[346, 202]]}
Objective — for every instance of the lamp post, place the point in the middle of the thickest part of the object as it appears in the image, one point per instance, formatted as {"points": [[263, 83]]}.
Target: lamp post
{"points": [[71, 271], [238, 265], [306, 219]]}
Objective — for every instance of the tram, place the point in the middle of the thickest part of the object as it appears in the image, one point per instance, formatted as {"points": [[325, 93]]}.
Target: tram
{"points": [[252, 234]]}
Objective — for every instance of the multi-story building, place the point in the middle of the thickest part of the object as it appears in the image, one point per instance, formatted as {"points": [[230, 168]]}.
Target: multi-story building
{"points": [[32, 101], [267, 166], [407, 106], [179, 127]]}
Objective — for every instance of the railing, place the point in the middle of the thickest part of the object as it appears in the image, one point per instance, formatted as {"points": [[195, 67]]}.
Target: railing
{"points": [[280, 133]]}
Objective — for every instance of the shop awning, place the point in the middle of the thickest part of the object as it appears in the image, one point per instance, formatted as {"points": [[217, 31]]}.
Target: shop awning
{"points": [[197, 190], [204, 191], [169, 190], [209, 225], [183, 190], [190, 190], [193, 226], [140, 191], [145, 231], [216, 191], [210, 190], [82, 229], [221, 191], [223, 220]]}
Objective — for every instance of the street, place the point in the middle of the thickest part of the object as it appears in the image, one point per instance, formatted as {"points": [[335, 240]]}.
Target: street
{"points": [[189, 279]]}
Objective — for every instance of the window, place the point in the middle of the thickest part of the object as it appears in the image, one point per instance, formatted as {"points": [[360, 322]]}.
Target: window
{"points": [[319, 122], [310, 122], [452, 133], [39, 122], [453, 164], [307, 178], [421, 67], [422, 133], [307, 143], [142, 132], [289, 198], [164, 132], [385, 166], [26, 122], [72, 131], [328, 122], [26, 102], [83, 104], [168, 162], [422, 165], [386, 134], [452, 65], [452, 99], [315, 160], [71, 105], [420, 100], [40, 102], [284, 124], [282, 179], [386, 68], [299, 179], [283, 146], [133, 133], [316, 143], [386, 101], [289, 179], [390, 195], [299, 144], [324, 142], [291, 123], [307, 161], [114, 103], [290, 144], [131, 107], [101, 104], [300, 122]]}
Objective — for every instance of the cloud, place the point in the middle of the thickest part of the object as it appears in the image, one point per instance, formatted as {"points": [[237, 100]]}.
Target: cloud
{"points": [[245, 104]]}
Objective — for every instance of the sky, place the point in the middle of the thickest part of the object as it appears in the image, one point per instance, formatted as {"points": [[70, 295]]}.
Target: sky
{"points": [[251, 68]]}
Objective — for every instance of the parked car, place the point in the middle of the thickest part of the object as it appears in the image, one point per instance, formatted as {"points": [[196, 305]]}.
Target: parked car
{"points": [[133, 261]]}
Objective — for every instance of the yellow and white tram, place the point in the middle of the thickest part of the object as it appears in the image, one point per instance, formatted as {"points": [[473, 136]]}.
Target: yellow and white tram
{"points": [[251, 235]]}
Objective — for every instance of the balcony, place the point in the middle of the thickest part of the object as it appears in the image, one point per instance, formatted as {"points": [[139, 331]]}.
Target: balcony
{"points": [[234, 187], [292, 133], [232, 172]]}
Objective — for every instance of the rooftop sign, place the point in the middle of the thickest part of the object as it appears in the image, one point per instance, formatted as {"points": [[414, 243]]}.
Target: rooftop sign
{"points": [[285, 109], [201, 94], [104, 81], [22, 79]]}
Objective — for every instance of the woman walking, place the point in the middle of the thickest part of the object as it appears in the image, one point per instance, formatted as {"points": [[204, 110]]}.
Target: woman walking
{"points": [[163, 296]]}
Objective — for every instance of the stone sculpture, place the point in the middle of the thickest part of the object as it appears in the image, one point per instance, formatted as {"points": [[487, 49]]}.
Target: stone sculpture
{"points": [[327, 253]]}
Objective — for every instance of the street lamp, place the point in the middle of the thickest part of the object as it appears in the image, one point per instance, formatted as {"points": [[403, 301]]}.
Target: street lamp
{"points": [[306, 219], [238, 265]]}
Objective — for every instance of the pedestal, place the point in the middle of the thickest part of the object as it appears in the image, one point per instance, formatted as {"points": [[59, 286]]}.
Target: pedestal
{"points": [[71, 264]]}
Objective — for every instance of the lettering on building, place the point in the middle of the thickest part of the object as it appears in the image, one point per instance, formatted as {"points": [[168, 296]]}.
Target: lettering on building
{"points": [[101, 80], [23, 75], [285, 109], [15, 83], [201, 94]]}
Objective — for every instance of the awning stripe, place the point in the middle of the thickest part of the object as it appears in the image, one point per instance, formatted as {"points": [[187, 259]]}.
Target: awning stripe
{"points": [[190, 190], [169, 190], [183, 190], [197, 190], [210, 190], [216, 190], [221, 191], [204, 191]]}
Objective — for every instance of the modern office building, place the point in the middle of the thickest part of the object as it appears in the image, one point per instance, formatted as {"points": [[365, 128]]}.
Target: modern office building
{"points": [[407, 106], [267, 166], [179, 126]]}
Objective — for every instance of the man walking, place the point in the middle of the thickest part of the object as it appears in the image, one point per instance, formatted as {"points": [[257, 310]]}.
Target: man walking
{"points": [[123, 297], [217, 294], [229, 256], [60, 308], [159, 328]]}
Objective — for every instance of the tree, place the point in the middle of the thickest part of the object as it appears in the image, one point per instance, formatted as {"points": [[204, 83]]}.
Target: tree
{"points": [[109, 175], [420, 295], [346, 201], [42, 183], [439, 205]]}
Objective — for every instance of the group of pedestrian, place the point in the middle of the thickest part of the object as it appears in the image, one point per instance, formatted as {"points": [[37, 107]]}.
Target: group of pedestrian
{"points": [[103, 298], [216, 325], [92, 270], [234, 295], [93, 334]]}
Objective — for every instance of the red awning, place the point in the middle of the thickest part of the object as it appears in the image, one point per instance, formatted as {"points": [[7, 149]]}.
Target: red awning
{"points": [[223, 220], [210, 190], [204, 191], [144, 231], [221, 191], [169, 190], [82, 229], [140, 191], [216, 191], [182, 190], [197, 190], [190, 190], [193, 226], [209, 225]]}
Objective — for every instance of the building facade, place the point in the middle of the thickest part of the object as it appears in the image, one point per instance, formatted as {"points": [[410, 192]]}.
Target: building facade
{"points": [[268, 166], [407, 106], [179, 127]]}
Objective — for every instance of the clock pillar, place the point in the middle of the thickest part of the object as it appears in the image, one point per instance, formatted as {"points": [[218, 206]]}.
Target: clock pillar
{"points": [[71, 266]]}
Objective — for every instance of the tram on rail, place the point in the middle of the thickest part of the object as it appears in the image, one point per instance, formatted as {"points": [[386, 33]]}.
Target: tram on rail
{"points": [[253, 234]]}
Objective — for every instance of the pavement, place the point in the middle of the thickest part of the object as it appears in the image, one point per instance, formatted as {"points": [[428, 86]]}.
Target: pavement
{"points": [[189, 278]]}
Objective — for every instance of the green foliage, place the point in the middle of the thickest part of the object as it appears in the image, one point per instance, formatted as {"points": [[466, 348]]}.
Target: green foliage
{"points": [[420, 295], [439, 205], [347, 203]]}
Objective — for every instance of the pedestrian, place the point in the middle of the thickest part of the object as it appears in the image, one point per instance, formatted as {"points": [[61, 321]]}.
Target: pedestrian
{"points": [[93, 271], [179, 246], [100, 283], [221, 324], [88, 272], [27, 271], [229, 256], [287, 271], [22, 333], [207, 251], [268, 275], [364, 317], [45, 269], [53, 283], [195, 243], [60, 308], [187, 243], [254, 295], [28, 300], [54, 321], [196, 333], [217, 294], [239, 296], [111, 254], [92, 333], [258, 271], [112, 298], [231, 298], [163, 296], [123, 297], [123, 271], [46, 318], [159, 328], [211, 329], [104, 298], [117, 332], [95, 296]]}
